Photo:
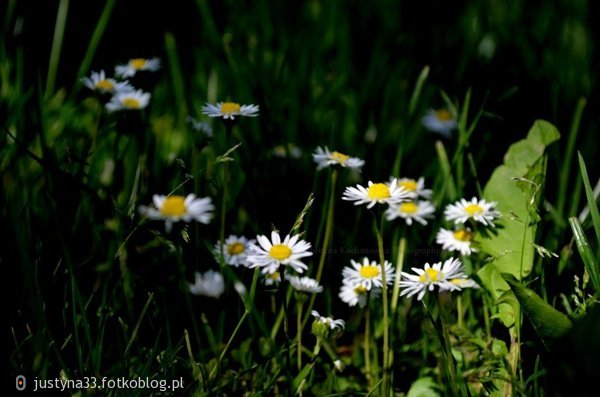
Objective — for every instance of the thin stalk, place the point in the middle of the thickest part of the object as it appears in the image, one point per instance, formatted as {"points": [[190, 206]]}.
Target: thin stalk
{"points": [[326, 241], [223, 211], [59, 33], [286, 331], [386, 336], [94, 41], [565, 171], [449, 357], [235, 331], [299, 334], [367, 346], [399, 266], [328, 226]]}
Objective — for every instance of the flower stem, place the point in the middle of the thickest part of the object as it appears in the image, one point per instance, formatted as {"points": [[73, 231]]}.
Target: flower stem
{"points": [[367, 347], [299, 334], [326, 241], [386, 336], [328, 225], [223, 210], [235, 331], [449, 357], [399, 266]]}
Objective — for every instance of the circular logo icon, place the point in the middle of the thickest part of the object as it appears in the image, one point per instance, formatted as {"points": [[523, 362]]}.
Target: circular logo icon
{"points": [[21, 383]]}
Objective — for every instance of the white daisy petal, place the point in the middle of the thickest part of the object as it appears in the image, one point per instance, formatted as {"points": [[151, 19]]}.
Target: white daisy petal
{"points": [[128, 100], [324, 158], [137, 65], [477, 209], [269, 255], [447, 277], [230, 110], [210, 284], [175, 208], [440, 121], [411, 210]]}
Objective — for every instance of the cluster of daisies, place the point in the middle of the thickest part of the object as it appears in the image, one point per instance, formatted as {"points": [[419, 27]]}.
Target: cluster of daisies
{"points": [[123, 95], [405, 198], [408, 199]]}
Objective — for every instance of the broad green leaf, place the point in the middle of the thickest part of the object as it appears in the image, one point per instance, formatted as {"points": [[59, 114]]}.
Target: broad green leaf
{"points": [[549, 323], [515, 187], [423, 387], [493, 282]]}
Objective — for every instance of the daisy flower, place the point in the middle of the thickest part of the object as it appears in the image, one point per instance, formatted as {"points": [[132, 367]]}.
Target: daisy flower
{"points": [[440, 121], [459, 284], [137, 65], [328, 321], [100, 83], [458, 240], [325, 158], [411, 210], [175, 208], [415, 187], [479, 210], [353, 294], [229, 110], [209, 284], [272, 278], [375, 193], [430, 276], [305, 284], [271, 254], [367, 273], [128, 100], [235, 250]]}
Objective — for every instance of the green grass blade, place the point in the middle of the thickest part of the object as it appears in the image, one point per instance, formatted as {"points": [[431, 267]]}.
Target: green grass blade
{"points": [[416, 95], [586, 253], [94, 41], [590, 197], [568, 159], [137, 325], [59, 33], [176, 76]]}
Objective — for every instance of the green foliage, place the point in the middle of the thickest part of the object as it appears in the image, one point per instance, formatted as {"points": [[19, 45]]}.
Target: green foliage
{"points": [[515, 186], [423, 387], [549, 323], [589, 260]]}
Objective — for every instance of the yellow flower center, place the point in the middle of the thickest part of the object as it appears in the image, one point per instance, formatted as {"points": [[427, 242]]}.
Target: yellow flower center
{"points": [[463, 235], [138, 63], [443, 115], [105, 85], [410, 185], [409, 207], [173, 206], [378, 191], [369, 271], [360, 289], [274, 276], [473, 209], [230, 108], [236, 248], [131, 103], [280, 252], [459, 281], [339, 157], [431, 275]]}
